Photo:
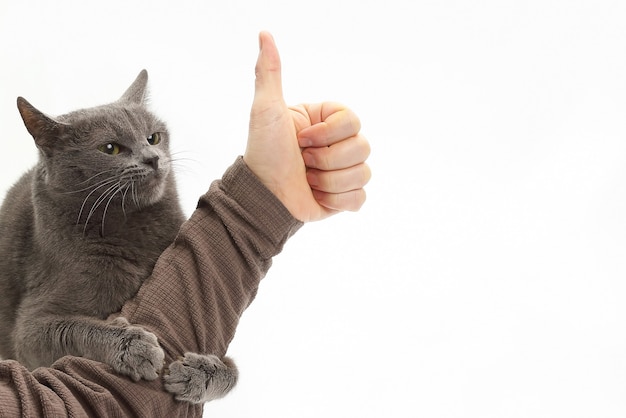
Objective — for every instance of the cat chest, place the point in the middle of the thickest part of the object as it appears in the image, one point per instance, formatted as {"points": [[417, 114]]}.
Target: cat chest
{"points": [[93, 284]]}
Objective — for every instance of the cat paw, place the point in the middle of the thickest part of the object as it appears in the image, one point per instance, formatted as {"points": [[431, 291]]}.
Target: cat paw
{"points": [[200, 378], [137, 354]]}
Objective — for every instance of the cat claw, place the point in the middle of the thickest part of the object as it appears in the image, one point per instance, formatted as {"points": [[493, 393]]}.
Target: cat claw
{"points": [[198, 378], [138, 354]]}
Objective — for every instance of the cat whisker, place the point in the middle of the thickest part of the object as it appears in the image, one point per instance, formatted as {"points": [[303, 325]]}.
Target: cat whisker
{"points": [[184, 169], [127, 188], [92, 186], [117, 190], [108, 192], [98, 174], [193, 160], [133, 193], [182, 152], [106, 183], [175, 161], [123, 183], [90, 179]]}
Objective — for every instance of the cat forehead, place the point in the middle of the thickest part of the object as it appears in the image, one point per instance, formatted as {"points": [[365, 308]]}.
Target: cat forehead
{"points": [[119, 116]]}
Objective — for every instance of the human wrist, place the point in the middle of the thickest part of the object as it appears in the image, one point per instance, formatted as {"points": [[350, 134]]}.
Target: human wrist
{"points": [[258, 203]]}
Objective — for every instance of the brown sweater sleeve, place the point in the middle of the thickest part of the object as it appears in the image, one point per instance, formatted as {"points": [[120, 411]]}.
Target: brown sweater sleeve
{"points": [[193, 300]]}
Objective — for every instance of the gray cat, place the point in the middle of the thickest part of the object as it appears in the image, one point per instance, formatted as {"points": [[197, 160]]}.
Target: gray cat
{"points": [[81, 231]]}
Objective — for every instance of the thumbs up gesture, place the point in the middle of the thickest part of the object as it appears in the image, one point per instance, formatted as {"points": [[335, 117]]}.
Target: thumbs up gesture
{"points": [[311, 156]]}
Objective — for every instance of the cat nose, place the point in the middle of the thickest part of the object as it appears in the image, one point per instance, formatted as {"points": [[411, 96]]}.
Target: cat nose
{"points": [[152, 162]]}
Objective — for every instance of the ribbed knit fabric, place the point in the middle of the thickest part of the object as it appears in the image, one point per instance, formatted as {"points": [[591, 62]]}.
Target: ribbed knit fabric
{"points": [[193, 300]]}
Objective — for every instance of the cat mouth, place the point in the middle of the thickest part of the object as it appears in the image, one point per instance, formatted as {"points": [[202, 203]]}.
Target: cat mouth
{"points": [[132, 188], [150, 186], [149, 180]]}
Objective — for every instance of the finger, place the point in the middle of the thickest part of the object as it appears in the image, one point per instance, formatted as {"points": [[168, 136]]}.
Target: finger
{"points": [[268, 85], [344, 154], [331, 123], [339, 181], [350, 201]]}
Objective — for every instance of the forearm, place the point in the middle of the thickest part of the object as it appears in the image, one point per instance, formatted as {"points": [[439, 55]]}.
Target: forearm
{"points": [[198, 290], [202, 284]]}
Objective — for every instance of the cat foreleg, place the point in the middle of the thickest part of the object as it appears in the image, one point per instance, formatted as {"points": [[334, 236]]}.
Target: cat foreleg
{"points": [[136, 352], [128, 349], [198, 378]]}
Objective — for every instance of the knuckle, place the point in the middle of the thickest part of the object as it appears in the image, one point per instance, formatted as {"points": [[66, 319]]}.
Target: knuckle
{"points": [[355, 122], [330, 182], [365, 146], [357, 198], [367, 174], [325, 159]]}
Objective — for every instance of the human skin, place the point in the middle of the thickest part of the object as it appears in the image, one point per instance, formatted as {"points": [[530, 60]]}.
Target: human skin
{"points": [[311, 156]]}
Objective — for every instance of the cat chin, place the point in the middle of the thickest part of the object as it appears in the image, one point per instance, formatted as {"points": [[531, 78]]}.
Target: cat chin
{"points": [[151, 195], [152, 188]]}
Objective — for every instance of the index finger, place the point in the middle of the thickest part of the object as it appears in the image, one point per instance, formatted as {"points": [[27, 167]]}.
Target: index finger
{"points": [[330, 123]]}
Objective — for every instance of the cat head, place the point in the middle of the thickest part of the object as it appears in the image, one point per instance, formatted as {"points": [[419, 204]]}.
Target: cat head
{"points": [[114, 152]]}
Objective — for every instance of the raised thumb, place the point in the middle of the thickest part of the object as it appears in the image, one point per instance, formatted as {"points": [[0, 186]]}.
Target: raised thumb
{"points": [[268, 85]]}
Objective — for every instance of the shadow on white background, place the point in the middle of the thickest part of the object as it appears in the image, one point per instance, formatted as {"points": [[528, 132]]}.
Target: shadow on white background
{"points": [[485, 275]]}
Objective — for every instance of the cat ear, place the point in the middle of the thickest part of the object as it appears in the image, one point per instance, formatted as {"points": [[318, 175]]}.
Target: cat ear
{"points": [[43, 128], [136, 93]]}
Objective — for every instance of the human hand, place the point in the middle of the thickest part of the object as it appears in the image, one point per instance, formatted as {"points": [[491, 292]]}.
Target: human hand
{"points": [[310, 156]]}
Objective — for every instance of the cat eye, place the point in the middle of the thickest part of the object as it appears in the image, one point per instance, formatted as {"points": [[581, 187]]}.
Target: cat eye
{"points": [[154, 139], [111, 148]]}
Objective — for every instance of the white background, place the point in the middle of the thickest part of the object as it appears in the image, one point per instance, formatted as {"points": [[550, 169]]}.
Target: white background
{"points": [[485, 277]]}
